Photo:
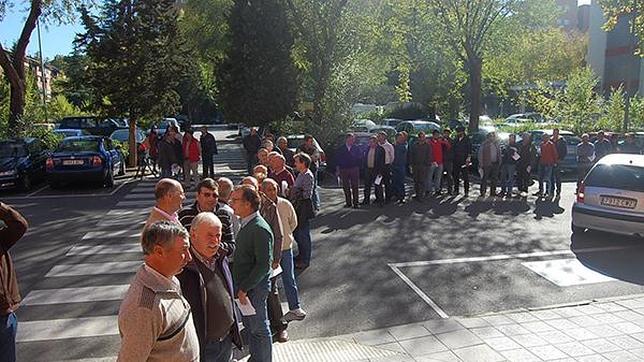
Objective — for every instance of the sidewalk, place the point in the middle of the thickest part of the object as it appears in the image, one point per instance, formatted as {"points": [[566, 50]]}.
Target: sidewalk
{"points": [[601, 330]]}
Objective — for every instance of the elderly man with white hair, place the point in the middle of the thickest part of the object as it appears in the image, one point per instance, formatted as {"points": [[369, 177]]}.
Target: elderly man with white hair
{"points": [[207, 284]]}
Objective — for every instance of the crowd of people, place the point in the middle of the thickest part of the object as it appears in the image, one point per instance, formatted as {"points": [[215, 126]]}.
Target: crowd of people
{"points": [[215, 263], [440, 162]]}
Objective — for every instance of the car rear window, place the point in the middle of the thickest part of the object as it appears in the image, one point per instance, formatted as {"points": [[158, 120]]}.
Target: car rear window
{"points": [[78, 145], [8, 149], [622, 177]]}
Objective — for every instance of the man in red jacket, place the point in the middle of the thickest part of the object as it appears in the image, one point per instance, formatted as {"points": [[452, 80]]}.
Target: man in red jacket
{"points": [[547, 160], [191, 157], [14, 227]]}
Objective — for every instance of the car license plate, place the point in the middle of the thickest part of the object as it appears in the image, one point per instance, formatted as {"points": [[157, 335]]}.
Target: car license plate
{"points": [[73, 162], [620, 202]]}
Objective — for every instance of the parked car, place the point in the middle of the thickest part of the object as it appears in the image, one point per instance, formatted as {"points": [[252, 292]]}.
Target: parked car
{"points": [[86, 158], [22, 161], [413, 127], [516, 122], [163, 125], [93, 125], [362, 125], [123, 135], [295, 141], [529, 116], [66, 132], [611, 196], [392, 122]]}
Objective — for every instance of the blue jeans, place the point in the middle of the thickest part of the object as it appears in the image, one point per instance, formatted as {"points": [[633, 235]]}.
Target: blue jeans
{"points": [[288, 278], [8, 328], [398, 181], [435, 174], [260, 344], [545, 174], [221, 351], [507, 177], [302, 234]]}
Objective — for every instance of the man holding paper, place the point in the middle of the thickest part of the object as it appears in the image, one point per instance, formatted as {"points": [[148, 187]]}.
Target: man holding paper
{"points": [[207, 285], [375, 164], [252, 269]]}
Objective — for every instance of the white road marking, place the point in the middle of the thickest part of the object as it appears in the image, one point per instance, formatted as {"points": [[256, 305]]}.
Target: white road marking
{"points": [[37, 191], [72, 270], [105, 234], [67, 328], [104, 249], [420, 293], [566, 272], [75, 295]]}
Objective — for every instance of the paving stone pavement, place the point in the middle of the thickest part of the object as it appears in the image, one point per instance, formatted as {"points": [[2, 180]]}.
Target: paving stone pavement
{"points": [[601, 330]]}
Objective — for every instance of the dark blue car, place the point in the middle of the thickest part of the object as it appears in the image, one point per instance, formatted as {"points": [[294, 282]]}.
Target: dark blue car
{"points": [[85, 158], [22, 161]]}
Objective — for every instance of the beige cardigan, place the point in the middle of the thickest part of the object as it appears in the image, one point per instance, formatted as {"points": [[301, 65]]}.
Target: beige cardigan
{"points": [[288, 221]]}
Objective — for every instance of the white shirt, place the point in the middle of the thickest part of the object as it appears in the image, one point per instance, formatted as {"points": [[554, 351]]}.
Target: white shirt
{"points": [[288, 220], [389, 152]]}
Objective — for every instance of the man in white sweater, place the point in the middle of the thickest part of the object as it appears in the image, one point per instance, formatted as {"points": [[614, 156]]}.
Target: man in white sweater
{"points": [[155, 321], [288, 220]]}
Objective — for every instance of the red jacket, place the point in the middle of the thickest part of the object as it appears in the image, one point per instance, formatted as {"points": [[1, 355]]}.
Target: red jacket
{"points": [[548, 154], [191, 150], [437, 149]]}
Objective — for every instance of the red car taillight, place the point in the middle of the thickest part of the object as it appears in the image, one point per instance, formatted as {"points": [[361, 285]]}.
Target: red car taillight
{"points": [[49, 163], [580, 193], [96, 161]]}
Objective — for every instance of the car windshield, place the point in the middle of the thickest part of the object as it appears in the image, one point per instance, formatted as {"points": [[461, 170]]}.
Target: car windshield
{"points": [[10, 149], [78, 145], [121, 136], [67, 133], [622, 177]]}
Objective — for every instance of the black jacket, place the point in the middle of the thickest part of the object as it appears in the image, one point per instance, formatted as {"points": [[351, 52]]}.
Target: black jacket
{"points": [[562, 149], [252, 144], [193, 289], [379, 160], [208, 145], [462, 149]]}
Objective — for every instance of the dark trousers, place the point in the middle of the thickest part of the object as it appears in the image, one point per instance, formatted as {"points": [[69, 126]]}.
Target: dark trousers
{"points": [[251, 161], [448, 180], [208, 166], [460, 171], [275, 308], [302, 235], [386, 183], [350, 184], [523, 178], [555, 179], [491, 176], [420, 179], [370, 181], [8, 328]]}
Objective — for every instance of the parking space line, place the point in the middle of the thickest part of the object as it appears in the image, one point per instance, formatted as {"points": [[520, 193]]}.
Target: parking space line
{"points": [[128, 181], [37, 191], [420, 293], [508, 256]]}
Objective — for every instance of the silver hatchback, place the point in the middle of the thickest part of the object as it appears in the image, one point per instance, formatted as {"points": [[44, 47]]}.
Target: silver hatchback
{"points": [[611, 197]]}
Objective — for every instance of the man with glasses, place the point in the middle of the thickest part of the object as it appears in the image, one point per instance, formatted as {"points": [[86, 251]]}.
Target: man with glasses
{"points": [[169, 196], [252, 269], [207, 201]]}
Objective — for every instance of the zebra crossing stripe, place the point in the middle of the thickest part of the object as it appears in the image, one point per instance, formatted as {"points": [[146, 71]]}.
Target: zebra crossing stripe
{"points": [[33, 331], [75, 295], [72, 270], [105, 234], [104, 249]]}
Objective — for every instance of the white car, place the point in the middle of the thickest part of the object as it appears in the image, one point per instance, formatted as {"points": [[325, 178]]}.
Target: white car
{"points": [[611, 196]]}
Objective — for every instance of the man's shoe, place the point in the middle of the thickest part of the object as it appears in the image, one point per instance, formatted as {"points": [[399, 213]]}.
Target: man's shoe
{"points": [[281, 336], [295, 315]]}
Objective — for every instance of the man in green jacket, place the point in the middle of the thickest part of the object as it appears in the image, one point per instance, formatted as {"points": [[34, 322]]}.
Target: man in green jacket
{"points": [[252, 268]]}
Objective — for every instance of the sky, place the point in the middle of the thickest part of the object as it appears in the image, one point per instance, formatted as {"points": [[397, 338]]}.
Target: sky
{"points": [[55, 39]]}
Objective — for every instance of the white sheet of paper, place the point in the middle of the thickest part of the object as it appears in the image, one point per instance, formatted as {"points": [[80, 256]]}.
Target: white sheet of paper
{"points": [[277, 271], [378, 180], [516, 156], [246, 309]]}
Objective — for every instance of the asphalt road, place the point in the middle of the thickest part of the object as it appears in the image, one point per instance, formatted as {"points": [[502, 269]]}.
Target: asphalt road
{"points": [[473, 256]]}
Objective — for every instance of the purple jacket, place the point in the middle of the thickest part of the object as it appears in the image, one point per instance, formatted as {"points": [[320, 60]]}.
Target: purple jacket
{"points": [[348, 159]]}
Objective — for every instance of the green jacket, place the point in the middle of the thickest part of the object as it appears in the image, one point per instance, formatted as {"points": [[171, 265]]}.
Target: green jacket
{"points": [[253, 254]]}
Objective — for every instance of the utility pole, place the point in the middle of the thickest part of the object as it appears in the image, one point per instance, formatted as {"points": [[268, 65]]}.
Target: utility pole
{"points": [[42, 74]]}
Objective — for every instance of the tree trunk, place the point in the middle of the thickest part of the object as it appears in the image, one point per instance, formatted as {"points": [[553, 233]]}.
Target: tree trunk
{"points": [[475, 68], [17, 107], [132, 146]]}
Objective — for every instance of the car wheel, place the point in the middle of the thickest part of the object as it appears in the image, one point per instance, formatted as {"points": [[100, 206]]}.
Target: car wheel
{"points": [[576, 229], [109, 179], [25, 183]]}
